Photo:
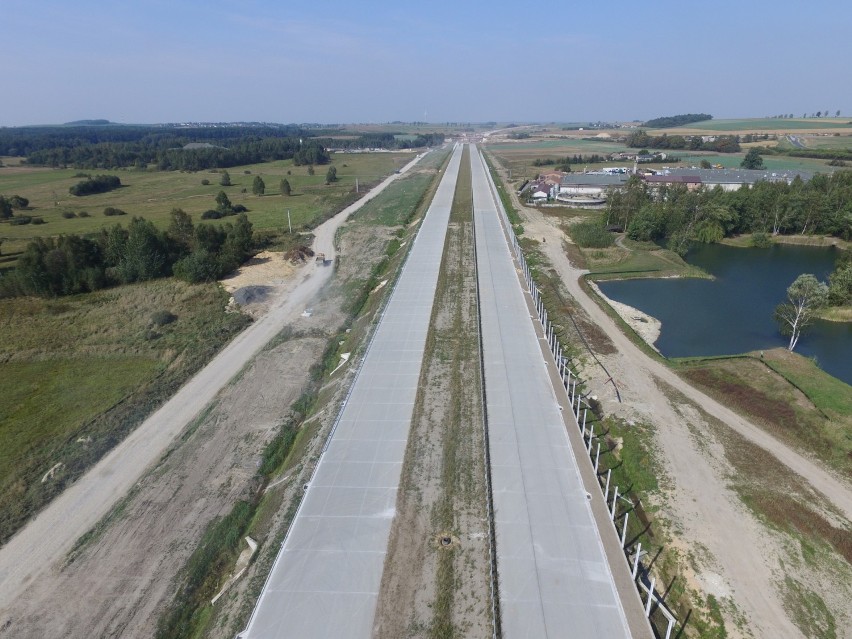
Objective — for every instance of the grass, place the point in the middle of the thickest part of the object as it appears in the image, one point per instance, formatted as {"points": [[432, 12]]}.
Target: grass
{"points": [[765, 124], [152, 194], [788, 396], [86, 369], [809, 611]]}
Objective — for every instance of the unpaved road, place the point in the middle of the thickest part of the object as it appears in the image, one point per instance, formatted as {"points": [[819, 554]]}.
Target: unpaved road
{"points": [[735, 557], [52, 533]]}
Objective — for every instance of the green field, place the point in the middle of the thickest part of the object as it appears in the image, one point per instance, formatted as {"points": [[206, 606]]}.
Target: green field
{"points": [[82, 370], [767, 124], [152, 194]]}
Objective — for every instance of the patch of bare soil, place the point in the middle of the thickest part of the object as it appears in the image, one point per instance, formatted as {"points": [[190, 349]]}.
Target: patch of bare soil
{"points": [[436, 580], [258, 282]]}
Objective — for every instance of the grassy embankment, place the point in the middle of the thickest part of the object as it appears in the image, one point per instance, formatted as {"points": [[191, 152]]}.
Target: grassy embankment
{"points": [[153, 194], [387, 219], [86, 369]]}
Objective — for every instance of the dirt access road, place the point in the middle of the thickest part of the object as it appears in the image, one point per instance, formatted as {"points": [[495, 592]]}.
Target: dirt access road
{"points": [[735, 557], [50, 536]]}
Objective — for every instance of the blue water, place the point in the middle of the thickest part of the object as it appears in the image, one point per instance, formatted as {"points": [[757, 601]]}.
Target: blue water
{"points": [[733, 313]]}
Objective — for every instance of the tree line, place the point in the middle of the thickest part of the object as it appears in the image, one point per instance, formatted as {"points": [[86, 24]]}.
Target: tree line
{"points": [[721, 144], [677, 120], [97, 184], [388, 141], [73, 264], [565, 163], [679, 217]]}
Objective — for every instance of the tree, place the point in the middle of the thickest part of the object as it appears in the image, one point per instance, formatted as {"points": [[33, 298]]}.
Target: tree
{"points": [[805, 296], [258, 186], [331, 175], [310, 169], [225, 180], [181, 229], [5, 208], [19, 202], [752, 160], [837, 115], [285, 187], [706, 165], [223, 201], [818, 114]]}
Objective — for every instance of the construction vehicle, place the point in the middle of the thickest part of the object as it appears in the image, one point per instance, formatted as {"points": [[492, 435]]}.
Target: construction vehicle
{"points": [[321, 258]]}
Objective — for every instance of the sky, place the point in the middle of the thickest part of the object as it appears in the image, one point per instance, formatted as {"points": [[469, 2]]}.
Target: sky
{"points": [[351, 61]]}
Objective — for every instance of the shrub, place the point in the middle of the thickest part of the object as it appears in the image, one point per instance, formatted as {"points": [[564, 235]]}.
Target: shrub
{"points": [[162, 318], [68, 214], [591, 235], [97, 184], [760, 239], [205, 182], [211, 214], [238, 208], [39, 220], [111, 211], [83, 214], [20, 220]]}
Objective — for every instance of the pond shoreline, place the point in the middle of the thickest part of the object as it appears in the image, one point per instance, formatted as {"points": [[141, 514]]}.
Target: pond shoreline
{"points": [[645, 326]]}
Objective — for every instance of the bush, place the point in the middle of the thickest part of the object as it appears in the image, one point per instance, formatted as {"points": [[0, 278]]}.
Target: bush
{"points": [[205, 182], [238, 208], [68, 214], [162, 318], [83, 214], [211, 214], [20, 220], [591, 235], [97, 184], [39, 220], [111, 211], [761, 239]]}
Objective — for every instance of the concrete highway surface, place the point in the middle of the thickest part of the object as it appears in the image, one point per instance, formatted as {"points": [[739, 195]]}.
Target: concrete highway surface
{"points": [[554, 579], [326, 578]]}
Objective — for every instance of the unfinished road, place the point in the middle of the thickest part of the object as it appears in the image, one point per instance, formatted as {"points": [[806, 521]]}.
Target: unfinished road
{"points": [[554, 578], [44, 542], [326, 578]]}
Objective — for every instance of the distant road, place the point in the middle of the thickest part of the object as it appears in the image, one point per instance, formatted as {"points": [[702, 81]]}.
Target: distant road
{"points": [[795, 141], [51, 534]]}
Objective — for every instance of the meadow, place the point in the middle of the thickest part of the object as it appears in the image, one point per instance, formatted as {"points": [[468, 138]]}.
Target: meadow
{"points": [[153, 194], [765, 124]]}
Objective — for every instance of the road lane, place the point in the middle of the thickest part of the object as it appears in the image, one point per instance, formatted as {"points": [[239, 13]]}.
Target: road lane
{"points": [[553, 573], [326, 577]]}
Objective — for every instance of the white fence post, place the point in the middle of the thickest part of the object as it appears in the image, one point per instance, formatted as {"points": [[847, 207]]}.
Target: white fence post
{"points": [[606, 490], [650, 598], [591, 437], [597, 458], [636, 559], [614, 504], [624, 529]]}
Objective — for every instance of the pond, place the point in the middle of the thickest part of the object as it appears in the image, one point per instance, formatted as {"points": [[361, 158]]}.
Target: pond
{"points": [[733, 313]]}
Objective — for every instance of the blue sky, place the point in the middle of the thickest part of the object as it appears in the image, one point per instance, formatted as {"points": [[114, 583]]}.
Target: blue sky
{"points": [[349, 61]]}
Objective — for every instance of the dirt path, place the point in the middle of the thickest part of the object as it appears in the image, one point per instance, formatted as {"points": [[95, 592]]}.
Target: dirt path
{"points": [[44, 542], [734, 556]]}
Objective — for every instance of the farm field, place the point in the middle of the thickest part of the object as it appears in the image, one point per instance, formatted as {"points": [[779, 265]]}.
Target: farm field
{"points": [[763, 124], [153, 194]]}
